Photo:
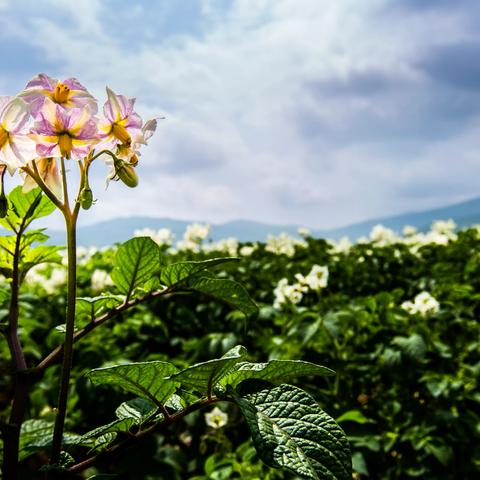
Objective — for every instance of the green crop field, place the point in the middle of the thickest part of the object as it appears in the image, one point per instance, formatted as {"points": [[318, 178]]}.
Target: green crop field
{"points": [[396, 318]]}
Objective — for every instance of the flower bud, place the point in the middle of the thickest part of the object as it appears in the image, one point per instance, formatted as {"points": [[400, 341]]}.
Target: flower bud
{"points": [[86, 198], [126, 173]]}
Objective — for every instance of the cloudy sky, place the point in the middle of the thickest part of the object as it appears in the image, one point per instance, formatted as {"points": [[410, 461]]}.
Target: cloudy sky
{"points": [[313, 112]]}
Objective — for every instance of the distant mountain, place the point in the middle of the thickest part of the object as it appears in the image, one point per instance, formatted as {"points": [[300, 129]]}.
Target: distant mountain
{"points": [[121, 229], [464, 214]]}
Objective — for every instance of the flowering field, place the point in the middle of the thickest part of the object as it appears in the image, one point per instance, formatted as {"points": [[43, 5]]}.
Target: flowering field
{"points": [[396, 317]]}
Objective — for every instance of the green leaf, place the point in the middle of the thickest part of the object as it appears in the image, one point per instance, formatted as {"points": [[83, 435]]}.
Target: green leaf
{"points": [[140, 409], [178, 272], [119, 425], [25, 207], [290, 431], [355, 416], [227, 290], [413, 346], [42, 254], [204, 376], [274, 371], [37, 435], [7, 244], [33, 236], [91, 307], [136, 262], [146, 379], [101, 437]]}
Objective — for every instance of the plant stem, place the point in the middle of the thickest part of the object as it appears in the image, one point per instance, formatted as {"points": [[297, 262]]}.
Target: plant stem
{"points": [[71, 228], [11, 431]]}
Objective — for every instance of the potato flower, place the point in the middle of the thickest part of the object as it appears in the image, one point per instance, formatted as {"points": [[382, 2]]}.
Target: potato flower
{"points": [[64, 133], [69, 93], [16, 148], [121, 124]]}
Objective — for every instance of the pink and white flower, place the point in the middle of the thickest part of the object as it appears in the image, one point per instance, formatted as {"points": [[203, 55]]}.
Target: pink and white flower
{"points": [[16, 147], [121, 124], [69, 93], [64, 133]]}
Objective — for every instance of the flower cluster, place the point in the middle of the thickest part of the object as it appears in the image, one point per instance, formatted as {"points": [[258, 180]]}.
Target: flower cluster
{"points": [[164, 237], [284, 244], [424, 304], [225, 245], [194, 236], [286, 294], [52, 119], [441, 233]]}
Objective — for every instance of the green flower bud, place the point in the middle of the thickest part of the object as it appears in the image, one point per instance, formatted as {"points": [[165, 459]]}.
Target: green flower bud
{"points": [[86, 198], [126, 173]]}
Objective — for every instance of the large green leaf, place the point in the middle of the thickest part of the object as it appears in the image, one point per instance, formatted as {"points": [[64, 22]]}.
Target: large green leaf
{"points": [[25, 207], [227, 290], [204, 376], [178, 272], [136, 262], [274, 371], [146, 379], [37, 435], [100, 438], [88, 308], [139, 409], [42, 254], [292, 432]]}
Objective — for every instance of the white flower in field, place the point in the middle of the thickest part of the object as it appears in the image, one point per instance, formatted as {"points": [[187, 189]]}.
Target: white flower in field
{"points": [[382, 235], [409, 306], [304, 232], [284, 244], [163, 236], [285, 293], [438, 238], [363, 239], [424, 304], [443, 226], [144, 232], [342, 246], [100, 280], [247, 250], [317, 277], [216, 418], [226, 245], [196, 233], [50, 282], [187, 246], [408, 230]]}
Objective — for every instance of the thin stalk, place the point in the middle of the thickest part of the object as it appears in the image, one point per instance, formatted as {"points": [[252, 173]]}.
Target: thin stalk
{"points": [[11, 431], [71, 228]]}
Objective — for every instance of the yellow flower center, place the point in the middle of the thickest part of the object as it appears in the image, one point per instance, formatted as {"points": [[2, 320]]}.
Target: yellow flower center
{"points": [[120, 132], [61, 93], [3, 136], [65, 144]]}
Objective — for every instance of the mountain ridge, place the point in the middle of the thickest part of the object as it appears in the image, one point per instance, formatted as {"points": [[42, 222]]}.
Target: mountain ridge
{"points": [[120, 229]]}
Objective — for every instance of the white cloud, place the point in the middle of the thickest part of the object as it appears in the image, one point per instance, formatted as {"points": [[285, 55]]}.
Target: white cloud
{"points": [[282, 110]]}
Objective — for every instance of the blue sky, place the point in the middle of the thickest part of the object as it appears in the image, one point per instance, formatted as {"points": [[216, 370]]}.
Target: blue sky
{"points": [[314, 112]]}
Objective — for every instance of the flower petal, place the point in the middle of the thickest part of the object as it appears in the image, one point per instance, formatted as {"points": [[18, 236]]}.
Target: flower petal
{"points": [[15, 115]]}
